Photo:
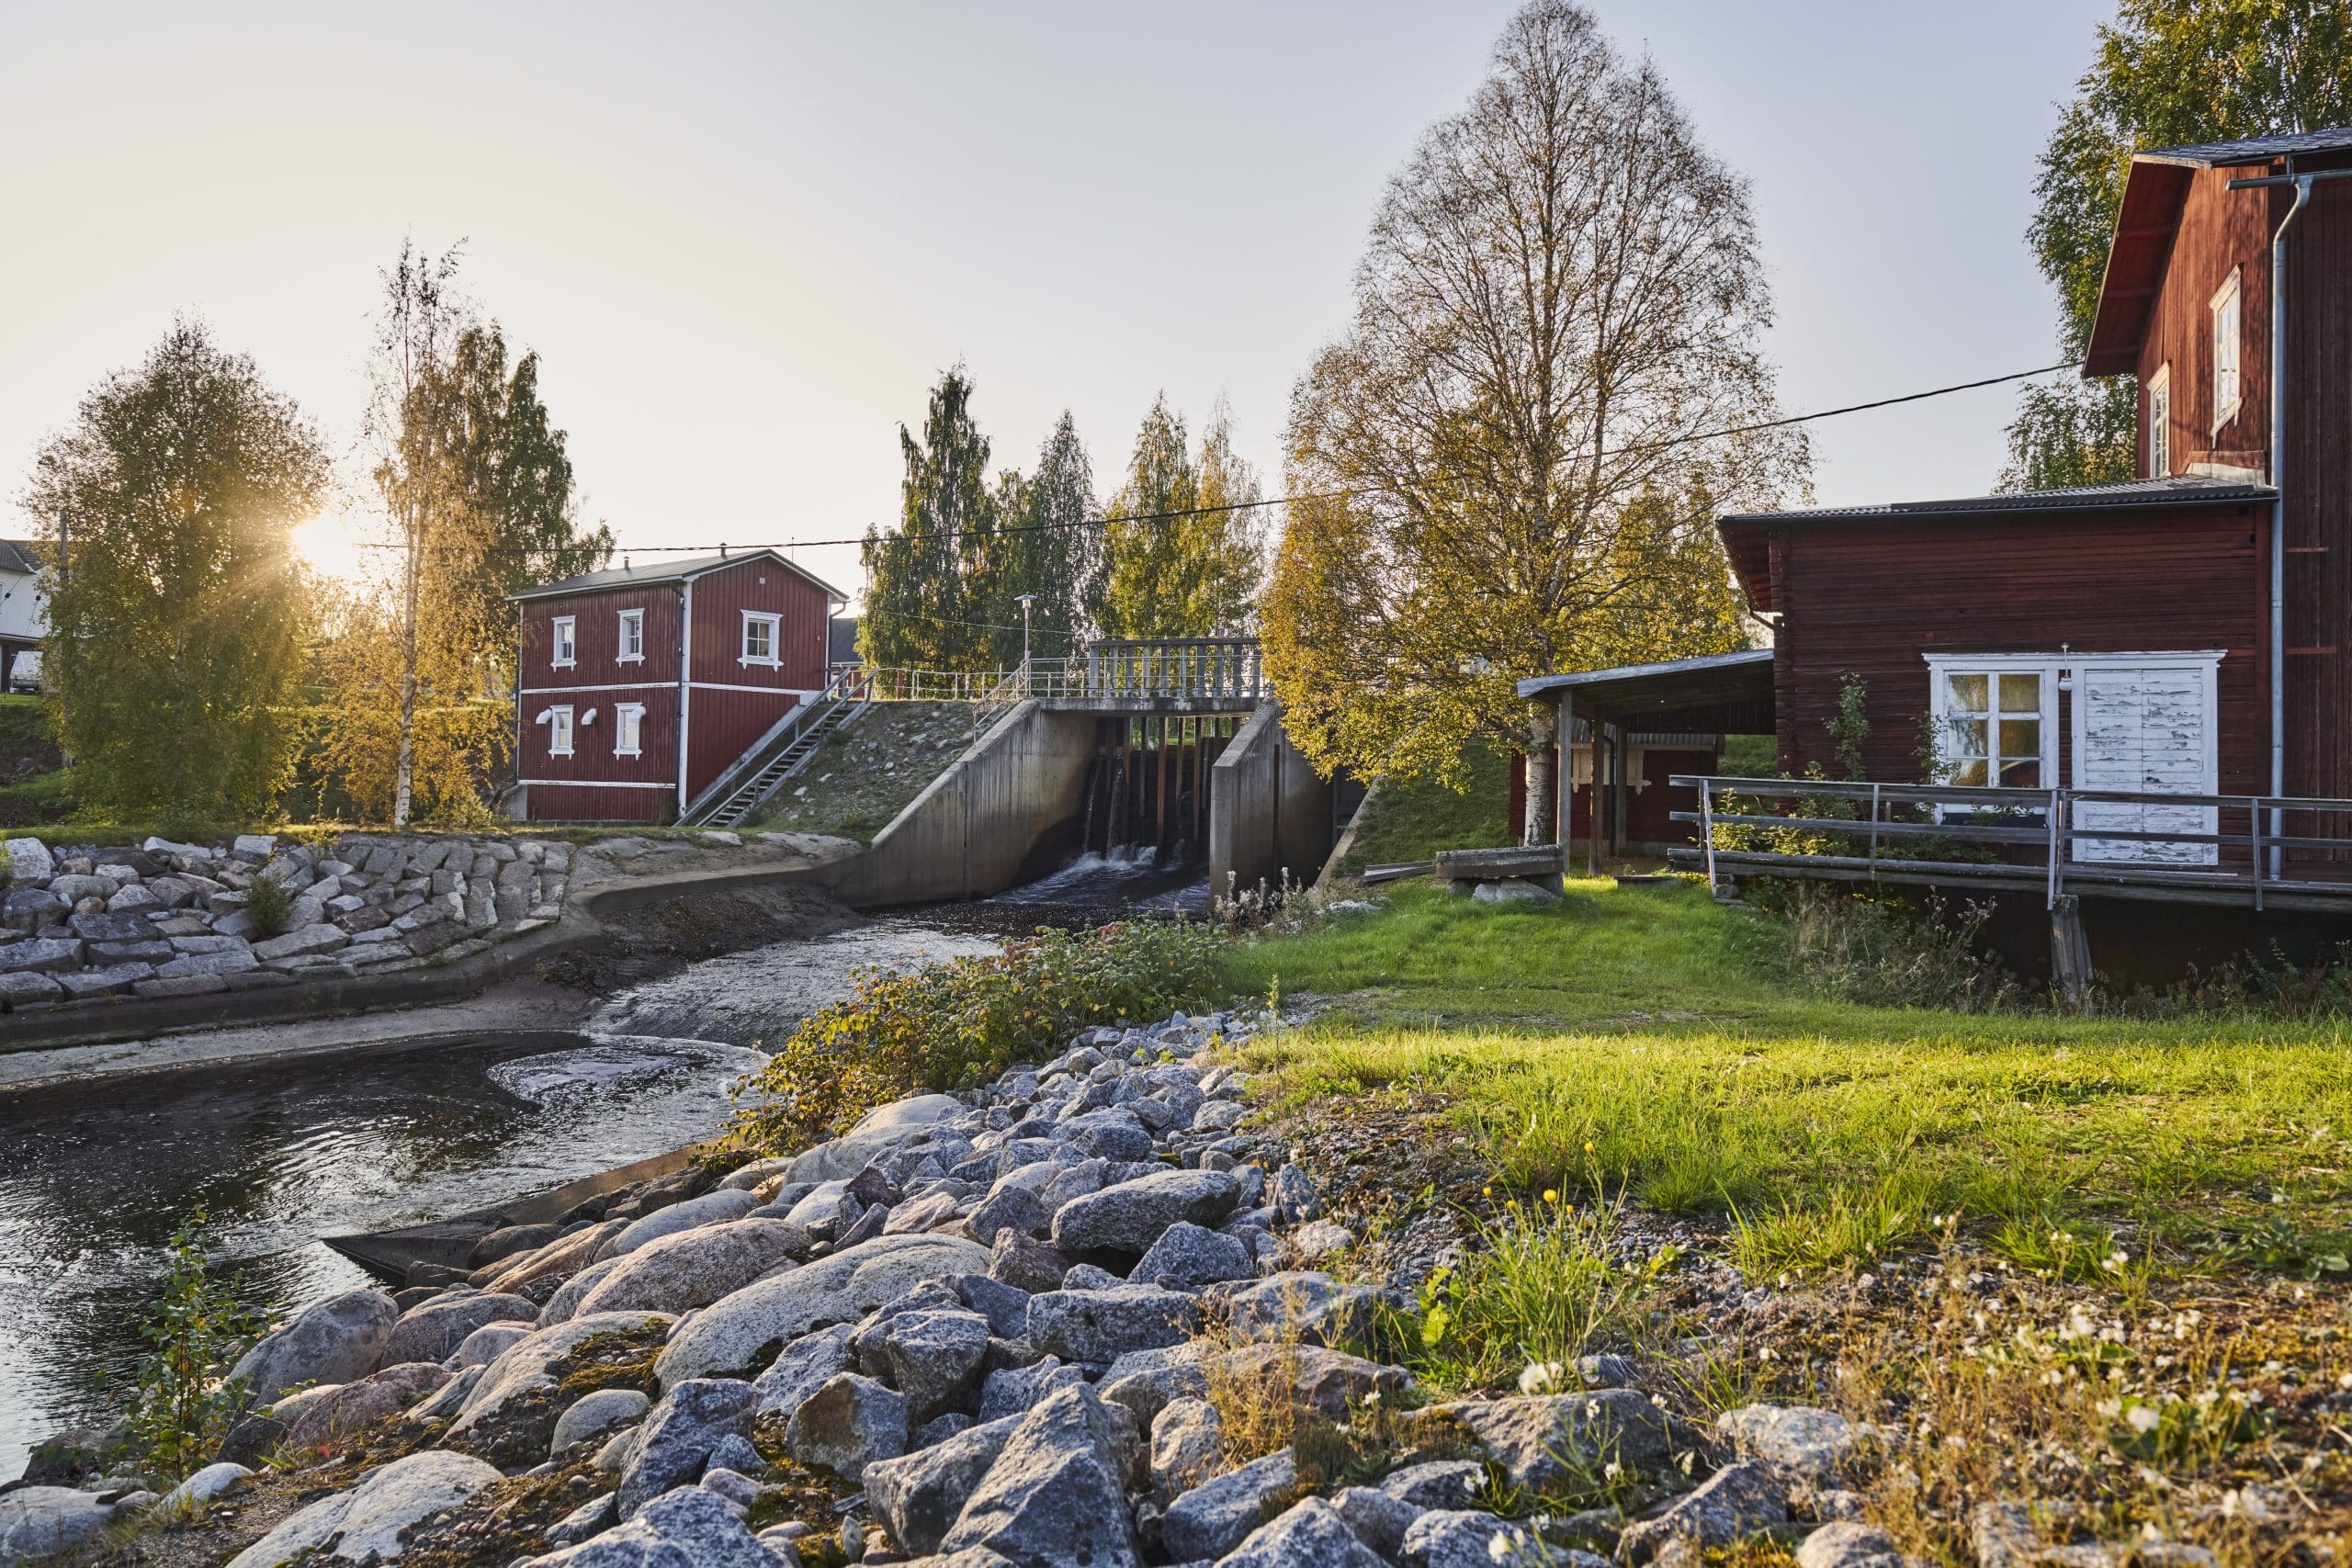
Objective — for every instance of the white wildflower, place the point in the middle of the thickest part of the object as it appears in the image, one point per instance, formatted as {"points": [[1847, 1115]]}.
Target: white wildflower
{"points": [[2143, 1418], [1541, 1377]]}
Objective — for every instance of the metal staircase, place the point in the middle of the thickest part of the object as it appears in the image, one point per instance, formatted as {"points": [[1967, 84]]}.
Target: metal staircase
{"points": [[785, 751]]}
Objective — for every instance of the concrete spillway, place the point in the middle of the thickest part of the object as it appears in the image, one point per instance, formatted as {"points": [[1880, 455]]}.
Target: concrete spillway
{"points": [[1054, 778]]}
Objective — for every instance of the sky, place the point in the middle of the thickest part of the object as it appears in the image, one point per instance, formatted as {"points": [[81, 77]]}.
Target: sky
{"points": [[745, 241]]}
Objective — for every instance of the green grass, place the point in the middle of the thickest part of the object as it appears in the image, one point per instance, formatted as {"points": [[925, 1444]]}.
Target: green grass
{"points": [[1411, 821], [1652, 1043], [863, 777]]}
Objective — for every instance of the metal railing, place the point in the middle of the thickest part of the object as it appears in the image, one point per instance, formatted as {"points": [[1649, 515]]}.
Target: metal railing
{"points": [[2205, 848], [1207, 667], [1202, 668], [846, 683]]}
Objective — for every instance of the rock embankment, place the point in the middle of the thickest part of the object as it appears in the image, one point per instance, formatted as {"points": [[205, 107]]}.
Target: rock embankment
{"points": [[170, 920], [1075, 1318]]}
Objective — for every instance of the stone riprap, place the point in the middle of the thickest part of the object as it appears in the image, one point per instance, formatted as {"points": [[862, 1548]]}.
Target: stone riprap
{"points": [[1006, 1320], [92, 923]]}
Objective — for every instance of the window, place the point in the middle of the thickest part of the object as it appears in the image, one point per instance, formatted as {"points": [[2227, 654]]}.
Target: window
{"points": [[560, 731], [563, 643], [2160, 424], [628, 720], [632, 641], [1990, 721], [2226, 352], [759, 638]]}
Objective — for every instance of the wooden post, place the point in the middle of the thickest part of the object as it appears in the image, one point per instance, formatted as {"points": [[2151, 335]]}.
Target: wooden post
{"points": [[1563, 824], [1596, 811], [2070, 952]]}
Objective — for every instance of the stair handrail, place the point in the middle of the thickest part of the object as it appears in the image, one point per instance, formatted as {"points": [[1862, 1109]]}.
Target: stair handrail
{"points": [[845, 680]]}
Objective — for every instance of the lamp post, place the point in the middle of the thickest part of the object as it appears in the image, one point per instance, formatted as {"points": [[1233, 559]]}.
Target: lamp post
{"points": [[1026, 599]]}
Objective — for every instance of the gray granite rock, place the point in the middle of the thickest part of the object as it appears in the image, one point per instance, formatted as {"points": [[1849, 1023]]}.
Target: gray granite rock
{"points": [[673, 1445], [1131, 1216], [593, 1415], [1310, 1535], [1057, 1492], [919, 1496], [1735, 1503], [1219, 1515], [339, 1340], [849, 1423]]}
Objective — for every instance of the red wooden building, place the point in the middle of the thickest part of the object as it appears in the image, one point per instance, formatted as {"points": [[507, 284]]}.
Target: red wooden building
{"points": [[640, 687]]}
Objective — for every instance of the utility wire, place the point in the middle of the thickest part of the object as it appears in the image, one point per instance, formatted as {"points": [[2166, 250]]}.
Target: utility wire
{"points": [[1180, 514]]}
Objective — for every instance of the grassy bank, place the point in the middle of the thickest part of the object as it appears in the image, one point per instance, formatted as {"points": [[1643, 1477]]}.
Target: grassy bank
{"points": [[1651, 1041]]}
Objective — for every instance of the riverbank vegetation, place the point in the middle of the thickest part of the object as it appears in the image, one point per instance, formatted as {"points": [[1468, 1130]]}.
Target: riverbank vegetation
{"points": [[957, 1024]]}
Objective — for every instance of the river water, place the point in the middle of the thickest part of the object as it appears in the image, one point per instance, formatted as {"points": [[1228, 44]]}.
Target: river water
{"points": [[95, 1177]]}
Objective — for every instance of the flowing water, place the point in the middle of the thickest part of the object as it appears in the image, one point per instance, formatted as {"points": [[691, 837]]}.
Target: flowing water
{"points": [[95, 1176]]}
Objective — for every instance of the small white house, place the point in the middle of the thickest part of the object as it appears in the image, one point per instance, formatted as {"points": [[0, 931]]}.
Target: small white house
{"points": [[24, 616]]}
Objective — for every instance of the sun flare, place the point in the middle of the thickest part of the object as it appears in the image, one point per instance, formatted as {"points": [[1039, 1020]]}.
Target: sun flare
{"points": [[334, 545]]}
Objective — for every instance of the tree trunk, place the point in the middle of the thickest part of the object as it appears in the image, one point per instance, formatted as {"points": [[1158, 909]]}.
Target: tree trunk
{"points": [[404, 769], [1541, 726]]}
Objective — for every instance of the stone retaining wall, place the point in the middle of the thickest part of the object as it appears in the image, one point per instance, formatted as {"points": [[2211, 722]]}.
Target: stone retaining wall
{"points": [[170, 920]]}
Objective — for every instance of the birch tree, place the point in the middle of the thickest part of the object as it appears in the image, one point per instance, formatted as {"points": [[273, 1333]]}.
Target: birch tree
{"points": [[1514, 443]]}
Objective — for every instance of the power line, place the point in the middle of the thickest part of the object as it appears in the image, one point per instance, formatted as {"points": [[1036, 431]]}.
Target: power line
{"points": [[1180, 514]]}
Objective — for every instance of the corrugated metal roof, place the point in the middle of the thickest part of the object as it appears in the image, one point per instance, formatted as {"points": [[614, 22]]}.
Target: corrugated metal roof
{"points": [[667, 571], [2253, 149], [1623, 672], [2180, 490]]}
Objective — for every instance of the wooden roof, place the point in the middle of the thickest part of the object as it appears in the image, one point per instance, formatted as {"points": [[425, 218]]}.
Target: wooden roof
{"points": [[2149, 217], [1720, 693]]}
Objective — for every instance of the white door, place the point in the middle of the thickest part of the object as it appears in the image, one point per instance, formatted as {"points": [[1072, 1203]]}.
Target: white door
{"points": [[2145, 727]]}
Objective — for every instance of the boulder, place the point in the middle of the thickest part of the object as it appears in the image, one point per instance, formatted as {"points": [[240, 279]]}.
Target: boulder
{"points": [[806, 1365], [738, 1332], [710, 1209], [1471, 1538], [1102, 1325], [1058, 1493], [1376, 1519], [337, 1413], [593, 1415], [1187, 1447], [1218, 1516], [341, 1339], [303, 942], [565, 1255], [1129, 1217], [935, 1358], [211, 1482], [850, 1422], [1438, 1483], [1025, 1263], [511, 1414], [1848, 1543], [1544, 1440], [489, 1342], [44, 956], [1310, 1535], [29, 861], [28, 910], [694, 1267], [1303, 1305], [1009, 1391], [882, 1131], [82, 983], [917, 1497], [1187, 1257], [1736, 1502], [1008, 1207], [686, 1529], [1806, 1447], [564, 1303], [431, 1332], [38, 1521], [675, 1444], [364, 1523], [24, 988]]}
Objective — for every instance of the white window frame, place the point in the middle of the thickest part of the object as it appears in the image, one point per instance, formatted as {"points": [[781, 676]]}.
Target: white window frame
{"points": [[2046, 665], [628, 729], [2229, 347], [563, 642], [559, 730], [773, 657], [631, 621], [2160, 423]]}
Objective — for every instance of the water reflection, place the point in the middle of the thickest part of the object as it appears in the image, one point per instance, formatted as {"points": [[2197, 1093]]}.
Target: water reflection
{"points": [[94, 1179]]}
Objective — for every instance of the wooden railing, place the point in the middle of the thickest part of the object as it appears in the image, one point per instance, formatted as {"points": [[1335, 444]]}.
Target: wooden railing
{"points": [[2194, 848]]}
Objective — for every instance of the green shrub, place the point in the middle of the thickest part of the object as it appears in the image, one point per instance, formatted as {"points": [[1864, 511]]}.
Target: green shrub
{"points": [[269, 904], [1882, 953], [957, 1024], [182, 1402]]}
